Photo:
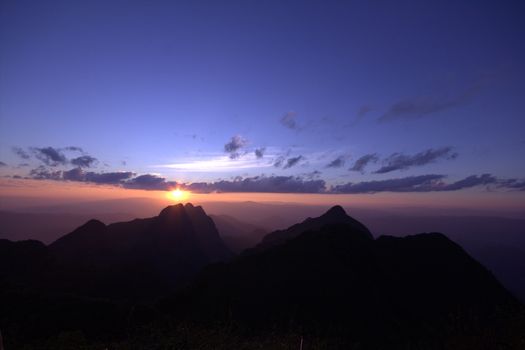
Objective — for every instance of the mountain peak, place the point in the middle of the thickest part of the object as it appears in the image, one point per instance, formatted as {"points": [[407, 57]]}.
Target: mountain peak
{"points": [[335, 211], [93, 224], [171, 209]]}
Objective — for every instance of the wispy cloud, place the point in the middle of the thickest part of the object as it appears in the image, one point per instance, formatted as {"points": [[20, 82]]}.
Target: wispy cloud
{"points": [[421, 106], [363, 161], [427, 183], [291, 162], [399, 161], [20, 152], [216, 163], [338, 162]]}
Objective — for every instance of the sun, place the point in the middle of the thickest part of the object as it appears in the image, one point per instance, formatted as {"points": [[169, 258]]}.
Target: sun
{"points": [[178, 194]]}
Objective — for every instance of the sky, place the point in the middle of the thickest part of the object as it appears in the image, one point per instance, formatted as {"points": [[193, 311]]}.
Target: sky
{"points": [[311, 97]]}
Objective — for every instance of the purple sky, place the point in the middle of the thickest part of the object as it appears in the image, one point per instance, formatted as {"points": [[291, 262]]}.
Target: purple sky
{"points": [[346, 97]]}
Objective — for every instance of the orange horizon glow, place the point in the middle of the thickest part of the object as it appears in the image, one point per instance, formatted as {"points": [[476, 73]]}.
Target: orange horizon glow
{"points": [[24, 192]]}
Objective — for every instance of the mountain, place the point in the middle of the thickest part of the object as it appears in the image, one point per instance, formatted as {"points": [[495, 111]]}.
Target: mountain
{"points": [[170, 281], [334, 279], [236, 234], [335, 215], [48, 227], [139, 258]]}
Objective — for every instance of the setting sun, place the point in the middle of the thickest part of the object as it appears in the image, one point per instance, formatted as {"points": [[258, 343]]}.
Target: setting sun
{"points": [[178, 194]]}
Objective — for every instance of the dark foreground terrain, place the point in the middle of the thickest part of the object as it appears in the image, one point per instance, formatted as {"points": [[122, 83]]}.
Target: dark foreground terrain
{"points": [[170, 282]]}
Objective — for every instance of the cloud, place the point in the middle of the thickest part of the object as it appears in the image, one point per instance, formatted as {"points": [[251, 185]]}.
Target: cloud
{"points": [[291, 162], [2, 164], [50, 156], [75, 174], [337, 162], [124, 179], [288, 120], [471, 181], [110, 178], [150, 182], [420, 106], [514, 184], [259, 152], [74, 149], [20, 152], [426, 183], [84, 161], [264, 184], [406, 184], [236, 143], [398, 161], [279, 161], [362, 162], [43, 173]]}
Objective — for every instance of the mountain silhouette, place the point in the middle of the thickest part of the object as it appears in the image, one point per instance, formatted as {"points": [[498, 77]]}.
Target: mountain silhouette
{"points": [[325, 278], [335, 215], [139, 258], [334, 279]]}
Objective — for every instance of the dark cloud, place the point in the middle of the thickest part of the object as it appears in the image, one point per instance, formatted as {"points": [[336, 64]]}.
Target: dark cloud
{"points": [[43, 173], [427, 183], [84, 161], [236, 143], [279, 161], [259, 152], [2, 164], [288, 120], [291, 162], [407, 184], [20, 152], [125, 179], [265, 184], [362, 162], [337, 162], [398, 161], [514, 184], [417, 107], [50, 156], [108, 178], [111, 178], [471, 181], [150, 182]]}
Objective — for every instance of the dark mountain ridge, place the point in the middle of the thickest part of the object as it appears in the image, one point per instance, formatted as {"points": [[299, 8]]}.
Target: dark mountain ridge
{"points": [[335, 215], [326, 277], [142, 257], [336, 280]]}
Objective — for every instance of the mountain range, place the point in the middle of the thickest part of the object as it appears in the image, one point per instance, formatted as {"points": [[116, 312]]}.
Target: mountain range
{"points": [[326, 277]]}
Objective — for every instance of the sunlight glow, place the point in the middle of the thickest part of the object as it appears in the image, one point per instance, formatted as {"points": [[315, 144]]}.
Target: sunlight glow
{"points": [[178, 195]]}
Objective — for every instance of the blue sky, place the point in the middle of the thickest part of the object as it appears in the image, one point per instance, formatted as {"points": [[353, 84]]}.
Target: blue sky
{"points": [[160, 87]]}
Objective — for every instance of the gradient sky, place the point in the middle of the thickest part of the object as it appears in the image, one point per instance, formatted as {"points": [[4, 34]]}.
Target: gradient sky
{"points": [[188, 91]]}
